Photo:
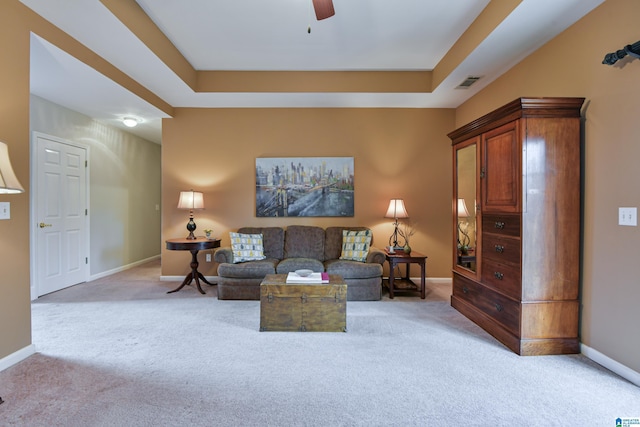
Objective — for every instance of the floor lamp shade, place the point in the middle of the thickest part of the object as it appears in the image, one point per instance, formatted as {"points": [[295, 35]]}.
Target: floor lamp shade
{"points": [[191, 200], [9, 184]]}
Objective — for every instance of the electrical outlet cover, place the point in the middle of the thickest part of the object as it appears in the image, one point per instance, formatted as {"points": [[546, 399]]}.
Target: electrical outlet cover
{"points": [[5, 210], [628, 216]]}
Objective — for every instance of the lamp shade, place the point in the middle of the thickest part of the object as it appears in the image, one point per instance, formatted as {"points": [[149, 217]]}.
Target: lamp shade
{"points": [[9, 184], [462, 209], [396, 209], [191, 200]]}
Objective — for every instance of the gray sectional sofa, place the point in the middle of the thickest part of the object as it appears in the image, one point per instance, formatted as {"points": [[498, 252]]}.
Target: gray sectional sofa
{"points": [[299, 247]]}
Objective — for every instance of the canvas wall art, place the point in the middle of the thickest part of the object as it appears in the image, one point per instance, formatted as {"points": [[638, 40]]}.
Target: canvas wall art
{"points": [[304, 186]]}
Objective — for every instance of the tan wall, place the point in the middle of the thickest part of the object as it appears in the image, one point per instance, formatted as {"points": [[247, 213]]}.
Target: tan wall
{"points": [[570, 65], [15, 310], [401, 153], [16, 23]]}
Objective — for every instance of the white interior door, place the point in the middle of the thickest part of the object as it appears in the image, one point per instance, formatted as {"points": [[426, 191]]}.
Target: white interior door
{"points": [[60, 214]]}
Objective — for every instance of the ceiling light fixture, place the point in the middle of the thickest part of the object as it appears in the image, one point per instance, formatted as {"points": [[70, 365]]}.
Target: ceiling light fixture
{"points": [[131, 122]]}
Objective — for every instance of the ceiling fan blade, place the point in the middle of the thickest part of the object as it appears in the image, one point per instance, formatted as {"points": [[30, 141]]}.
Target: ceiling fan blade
{"points": [[324, 9]]}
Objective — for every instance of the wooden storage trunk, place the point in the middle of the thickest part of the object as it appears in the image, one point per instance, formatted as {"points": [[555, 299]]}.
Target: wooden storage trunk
{"points": [[303, 307]]}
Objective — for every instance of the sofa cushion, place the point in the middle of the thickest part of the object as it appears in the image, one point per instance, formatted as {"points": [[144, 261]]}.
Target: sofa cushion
{"points": [[272, 239], [355, 245], [353, 269], [249, 270], [246, 247], [304, 241], [333, 241], [288, 265]]}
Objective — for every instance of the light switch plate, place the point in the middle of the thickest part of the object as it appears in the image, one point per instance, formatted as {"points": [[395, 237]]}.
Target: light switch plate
{"points": [[628, 216], [5, 210]]}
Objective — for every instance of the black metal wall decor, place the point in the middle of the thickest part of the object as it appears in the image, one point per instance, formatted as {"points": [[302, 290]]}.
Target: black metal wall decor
{"points": [[630, 49]]}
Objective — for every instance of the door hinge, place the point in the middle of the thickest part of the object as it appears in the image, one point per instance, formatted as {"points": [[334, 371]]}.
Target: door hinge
{"points": [[86, 163], [86, 260], [86, 212], [483, 172]]}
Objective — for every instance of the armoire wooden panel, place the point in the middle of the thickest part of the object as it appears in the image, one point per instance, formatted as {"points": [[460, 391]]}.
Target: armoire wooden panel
{"points": [[519, 276]]}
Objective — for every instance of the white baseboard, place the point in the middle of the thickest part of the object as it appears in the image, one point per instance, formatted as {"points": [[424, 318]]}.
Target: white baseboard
{"points": [[612, 365], [123, 268], [18, 356], [437, 280]]}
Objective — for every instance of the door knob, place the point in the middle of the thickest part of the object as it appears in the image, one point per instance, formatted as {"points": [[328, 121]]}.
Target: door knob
{"points": [[43, 225]]}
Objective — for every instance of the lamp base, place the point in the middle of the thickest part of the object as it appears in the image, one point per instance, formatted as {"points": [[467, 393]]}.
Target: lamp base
{"points": [[191, 226], [393, 239]]}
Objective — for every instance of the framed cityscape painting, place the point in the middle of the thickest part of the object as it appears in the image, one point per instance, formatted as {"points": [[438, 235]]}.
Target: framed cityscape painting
{"points": [[304, 186]]}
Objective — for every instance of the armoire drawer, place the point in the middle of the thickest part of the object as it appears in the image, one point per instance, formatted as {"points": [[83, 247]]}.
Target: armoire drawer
{"points": [[504, 310], [503, 277], [507, 225], [505, 250]]}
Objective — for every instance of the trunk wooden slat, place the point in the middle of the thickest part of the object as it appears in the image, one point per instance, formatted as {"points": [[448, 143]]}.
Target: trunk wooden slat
{"points": [[308, 307]]}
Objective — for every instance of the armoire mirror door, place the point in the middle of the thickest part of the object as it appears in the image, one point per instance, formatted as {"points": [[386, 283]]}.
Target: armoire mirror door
{"points": [[466, 214]]}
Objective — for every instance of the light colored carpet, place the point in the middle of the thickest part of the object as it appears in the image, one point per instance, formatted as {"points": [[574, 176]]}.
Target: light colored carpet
{"points": [[119, 351]]}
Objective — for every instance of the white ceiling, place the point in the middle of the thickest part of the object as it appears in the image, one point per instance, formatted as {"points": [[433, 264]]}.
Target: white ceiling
{"points": [[271, 35]]}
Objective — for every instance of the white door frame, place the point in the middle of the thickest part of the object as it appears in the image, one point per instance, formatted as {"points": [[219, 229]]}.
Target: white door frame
{"points": [[33, 200]]}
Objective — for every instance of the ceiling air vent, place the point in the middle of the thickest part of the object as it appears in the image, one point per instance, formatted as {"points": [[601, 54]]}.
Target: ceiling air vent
{"points": [[468, 82]]}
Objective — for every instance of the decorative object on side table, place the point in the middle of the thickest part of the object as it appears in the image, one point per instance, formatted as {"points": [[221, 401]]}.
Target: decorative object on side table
{"points": [[396, 210], [207, 232], [191, 200], [406, 231]]}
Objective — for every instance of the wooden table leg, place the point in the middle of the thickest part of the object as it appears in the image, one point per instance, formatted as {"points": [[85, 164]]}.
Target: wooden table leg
{"points": [[391, 268], [422, 280], [188, 278], [194, 275]]}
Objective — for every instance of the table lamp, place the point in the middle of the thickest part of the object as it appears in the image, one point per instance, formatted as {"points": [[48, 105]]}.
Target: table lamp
{"points": [[396, 210], [191, 200], [463, 213]]}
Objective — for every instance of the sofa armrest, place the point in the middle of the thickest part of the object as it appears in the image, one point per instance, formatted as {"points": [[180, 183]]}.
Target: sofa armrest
{"points": [[376, 256], [223, 255]]}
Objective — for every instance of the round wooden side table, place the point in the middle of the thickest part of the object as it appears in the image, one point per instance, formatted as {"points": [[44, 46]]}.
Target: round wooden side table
{"points": [[194, 246]]}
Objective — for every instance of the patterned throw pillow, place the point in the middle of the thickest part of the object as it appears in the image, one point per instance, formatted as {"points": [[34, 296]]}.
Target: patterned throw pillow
{"points": [[246, 247], [355, 245]]}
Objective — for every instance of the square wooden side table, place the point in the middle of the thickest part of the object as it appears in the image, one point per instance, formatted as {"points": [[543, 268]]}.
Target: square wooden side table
{"points": [[400, 257]]}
